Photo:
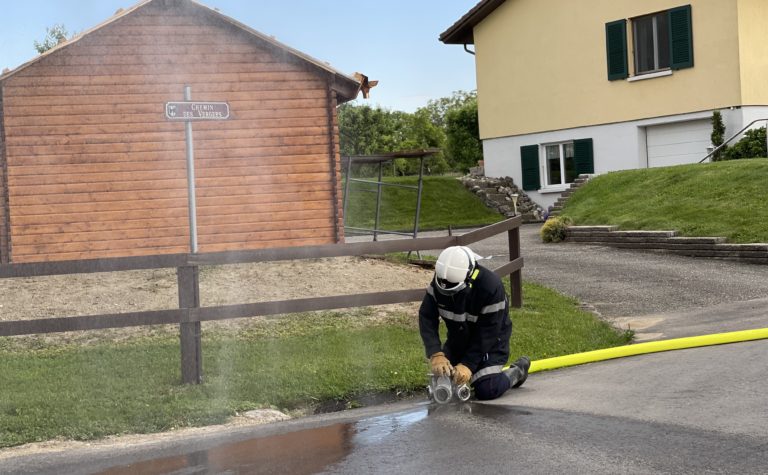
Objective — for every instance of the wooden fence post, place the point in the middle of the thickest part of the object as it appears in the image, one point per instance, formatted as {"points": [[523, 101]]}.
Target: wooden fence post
{"points": [[189, 332], [515, 279]]}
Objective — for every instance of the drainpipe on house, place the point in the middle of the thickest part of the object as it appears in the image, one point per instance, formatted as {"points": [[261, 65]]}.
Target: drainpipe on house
{"points": [[468, 50]]}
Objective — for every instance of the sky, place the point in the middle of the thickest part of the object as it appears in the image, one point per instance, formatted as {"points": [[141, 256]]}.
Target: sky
{"points": [[392, 41]]}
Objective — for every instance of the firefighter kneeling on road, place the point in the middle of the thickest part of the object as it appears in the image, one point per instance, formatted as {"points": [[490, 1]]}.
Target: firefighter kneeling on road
{"points": [[471, 300]]}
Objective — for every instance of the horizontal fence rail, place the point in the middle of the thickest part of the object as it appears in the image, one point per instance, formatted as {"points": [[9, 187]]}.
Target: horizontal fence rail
{"points": [[190, 312]]}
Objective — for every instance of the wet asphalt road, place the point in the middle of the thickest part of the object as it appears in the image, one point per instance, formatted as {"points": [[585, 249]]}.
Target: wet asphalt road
{"points": [[692, 411]]}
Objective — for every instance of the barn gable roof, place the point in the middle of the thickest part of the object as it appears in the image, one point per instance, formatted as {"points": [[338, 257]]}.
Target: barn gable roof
{"points": [[346, 87]]}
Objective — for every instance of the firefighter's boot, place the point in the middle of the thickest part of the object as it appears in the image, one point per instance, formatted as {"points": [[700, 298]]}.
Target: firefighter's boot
{"points": [[518, 371]]}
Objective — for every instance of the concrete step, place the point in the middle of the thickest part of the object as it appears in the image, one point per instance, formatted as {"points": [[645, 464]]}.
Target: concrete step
{"points": [[622, 234], [673, 241], [652, 244], [756, 247], [669, 242], [645, 234], [755, 254], [608, 228], [696, 240]]}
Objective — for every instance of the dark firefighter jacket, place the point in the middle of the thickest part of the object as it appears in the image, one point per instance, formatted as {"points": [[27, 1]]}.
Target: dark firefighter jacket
{"points": [[478, 323]]}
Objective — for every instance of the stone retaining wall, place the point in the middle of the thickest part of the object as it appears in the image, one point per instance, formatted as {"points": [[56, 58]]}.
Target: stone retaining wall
{"points": [[497, 193], [668, 241]]}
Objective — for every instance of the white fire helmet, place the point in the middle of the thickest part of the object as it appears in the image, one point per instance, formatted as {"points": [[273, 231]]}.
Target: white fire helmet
{"points": [[453, 269]]}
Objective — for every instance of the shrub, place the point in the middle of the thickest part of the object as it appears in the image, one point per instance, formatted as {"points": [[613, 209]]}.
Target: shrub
{"points": [[752, 145], [554, 229]]}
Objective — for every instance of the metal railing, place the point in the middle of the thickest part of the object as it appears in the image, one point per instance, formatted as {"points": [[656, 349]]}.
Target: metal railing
{"points": [[725, 143], [190, 314], [379, 159]]}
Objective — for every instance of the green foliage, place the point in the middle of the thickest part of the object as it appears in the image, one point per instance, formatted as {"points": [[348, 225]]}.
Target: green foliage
{"points": [[437, 109], [752, 145], [88, 392], [366, 130], [728, 198], [445, 201], [449, 123], [53, 36], [554, 229], [462, 128], [717, 136]]}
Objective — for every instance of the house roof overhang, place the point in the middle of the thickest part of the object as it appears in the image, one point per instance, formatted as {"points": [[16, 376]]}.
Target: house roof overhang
{"points": [[461, 32], [346, 87]]}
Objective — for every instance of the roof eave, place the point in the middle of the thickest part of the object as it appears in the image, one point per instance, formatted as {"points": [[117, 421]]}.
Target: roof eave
{"points": [[461, 32]]}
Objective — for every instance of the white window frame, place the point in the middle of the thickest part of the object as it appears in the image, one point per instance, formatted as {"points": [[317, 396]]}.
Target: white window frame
{"points": [[545, 166], [656, 69]]}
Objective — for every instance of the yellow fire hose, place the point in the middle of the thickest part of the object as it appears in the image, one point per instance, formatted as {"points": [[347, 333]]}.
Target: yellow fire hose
{"points": [[649, 347]]}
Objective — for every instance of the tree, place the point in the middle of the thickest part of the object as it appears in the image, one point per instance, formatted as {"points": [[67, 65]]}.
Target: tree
{"points": [[53, 36], [718, 131], [463, 147], [438, 108], [366, 130], [448, 123]]}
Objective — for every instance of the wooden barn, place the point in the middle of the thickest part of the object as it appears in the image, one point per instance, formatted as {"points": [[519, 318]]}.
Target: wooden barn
{"points": [[90, 166]]}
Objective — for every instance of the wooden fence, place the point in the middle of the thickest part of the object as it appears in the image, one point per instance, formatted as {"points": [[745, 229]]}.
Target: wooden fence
{"points": [[190, 314]]}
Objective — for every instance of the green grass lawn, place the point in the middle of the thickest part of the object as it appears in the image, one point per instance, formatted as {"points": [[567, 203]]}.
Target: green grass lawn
{"points": [[90, 391], [445, 202], [727, 199]]}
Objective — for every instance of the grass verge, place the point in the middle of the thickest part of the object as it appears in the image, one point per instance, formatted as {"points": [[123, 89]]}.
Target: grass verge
{"points": [[445, 201], [293, 363], [728, 199]]}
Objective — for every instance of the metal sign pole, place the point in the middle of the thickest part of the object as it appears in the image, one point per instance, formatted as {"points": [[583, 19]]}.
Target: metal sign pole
{"points": [[191, 177], [189, 276]]}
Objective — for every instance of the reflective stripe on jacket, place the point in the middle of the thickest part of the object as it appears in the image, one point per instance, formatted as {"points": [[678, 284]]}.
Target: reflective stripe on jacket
{"points": [[477, 319]]}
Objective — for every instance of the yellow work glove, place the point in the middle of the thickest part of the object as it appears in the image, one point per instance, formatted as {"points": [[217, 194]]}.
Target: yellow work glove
{"points": [[440, 364], [461, 374]]}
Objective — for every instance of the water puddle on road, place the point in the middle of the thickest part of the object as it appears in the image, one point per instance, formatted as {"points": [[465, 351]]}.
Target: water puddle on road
{"points": [[301, 452], [306, 451]]}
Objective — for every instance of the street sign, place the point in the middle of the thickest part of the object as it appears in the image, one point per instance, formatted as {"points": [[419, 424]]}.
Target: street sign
{"points": [[197, 110]]}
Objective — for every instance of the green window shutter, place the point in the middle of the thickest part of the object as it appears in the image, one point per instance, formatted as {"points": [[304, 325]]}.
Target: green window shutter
{"points": [[680, 37], [582, 156], [529, 158], [616, 48]]}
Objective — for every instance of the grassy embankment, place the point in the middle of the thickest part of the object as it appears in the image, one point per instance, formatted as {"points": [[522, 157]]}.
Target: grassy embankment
{"points": [[294, 363], [445, 202], [728, 199]]}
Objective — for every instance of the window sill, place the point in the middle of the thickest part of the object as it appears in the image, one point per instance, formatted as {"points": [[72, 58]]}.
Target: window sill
{"points": [[554, 189], [657, 74]]}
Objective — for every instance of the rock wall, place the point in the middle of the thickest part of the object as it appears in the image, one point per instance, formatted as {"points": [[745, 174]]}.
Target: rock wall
{"points": [[498, 193]]}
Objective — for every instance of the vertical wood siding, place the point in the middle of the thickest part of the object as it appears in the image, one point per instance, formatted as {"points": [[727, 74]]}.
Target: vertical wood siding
{"points": [[95, 170]]}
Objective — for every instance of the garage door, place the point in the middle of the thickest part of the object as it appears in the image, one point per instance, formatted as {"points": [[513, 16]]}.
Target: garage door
{"points": [[678, 143]]}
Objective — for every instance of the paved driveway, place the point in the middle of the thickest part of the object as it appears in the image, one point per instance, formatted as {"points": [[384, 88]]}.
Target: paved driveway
{"points": [[658, 295]]}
